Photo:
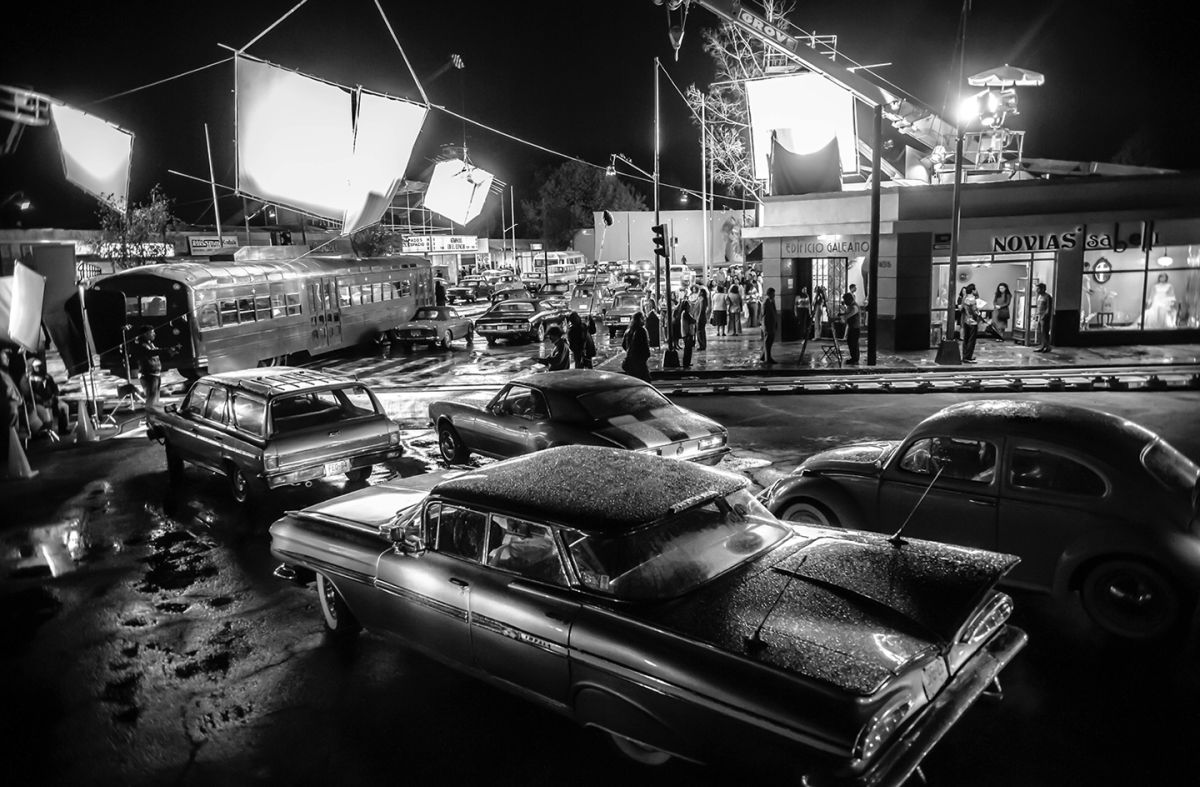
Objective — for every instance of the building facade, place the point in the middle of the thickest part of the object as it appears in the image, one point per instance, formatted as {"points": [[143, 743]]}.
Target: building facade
{"points": [[1119, 255]]}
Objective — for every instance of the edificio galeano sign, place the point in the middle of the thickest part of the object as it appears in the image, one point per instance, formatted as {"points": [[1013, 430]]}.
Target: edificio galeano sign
{"points": [[818, 247]]}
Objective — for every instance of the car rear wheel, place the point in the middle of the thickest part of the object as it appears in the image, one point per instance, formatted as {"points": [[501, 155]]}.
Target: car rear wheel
{"points": [[809, 512], [240, 486], [451, 445], [1131, 599], [539, 333], [339, 620], [491, 340], [447, 337], [639, 752], [470, 336], [358, 474]]}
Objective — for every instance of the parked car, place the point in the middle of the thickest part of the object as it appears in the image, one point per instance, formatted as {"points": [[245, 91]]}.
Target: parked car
{"points": [[278, 426], [659, 603], [469, 290], [621, 310], [433, 326], [532, 281], [574, 407], [520, 319], [509, 291], [555, 290], [1092, 503], [588, 300]]}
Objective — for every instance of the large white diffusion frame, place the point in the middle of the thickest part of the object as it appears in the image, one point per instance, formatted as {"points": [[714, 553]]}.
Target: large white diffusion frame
{"points": [[299, 144], [457, 190], [805, 111], [96, 154]]}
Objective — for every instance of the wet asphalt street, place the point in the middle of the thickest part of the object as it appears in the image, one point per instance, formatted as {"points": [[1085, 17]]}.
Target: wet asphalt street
{"points": [[147, 643]]}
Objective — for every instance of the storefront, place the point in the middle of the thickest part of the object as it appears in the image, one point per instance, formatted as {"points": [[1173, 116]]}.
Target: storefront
{"points": [[1119, 255]]}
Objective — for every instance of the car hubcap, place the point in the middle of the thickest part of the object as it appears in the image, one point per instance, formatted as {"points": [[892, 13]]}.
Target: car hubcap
{"points": [[329, 595], [448, 446]]}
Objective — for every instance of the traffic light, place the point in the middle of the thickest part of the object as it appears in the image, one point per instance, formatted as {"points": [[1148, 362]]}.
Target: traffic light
{"points": [[660, 240]]}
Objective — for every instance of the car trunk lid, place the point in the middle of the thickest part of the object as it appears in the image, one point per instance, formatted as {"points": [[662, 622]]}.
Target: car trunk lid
{"points": [[672, 433]]}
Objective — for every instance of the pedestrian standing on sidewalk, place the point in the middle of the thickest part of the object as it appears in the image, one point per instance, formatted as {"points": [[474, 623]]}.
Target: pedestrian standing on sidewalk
{"points": [[576, 338], [718, 309], [733, 304], [970, 323], [769, 318], [702, 319], [653, 327], [1002, 303], [637, 349], [689, 309], [149, 362], [850, 314], [1044, 305], [820, 311]]}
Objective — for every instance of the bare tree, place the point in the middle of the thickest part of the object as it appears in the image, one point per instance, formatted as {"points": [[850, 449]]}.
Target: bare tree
{"points": [[138, 235]]}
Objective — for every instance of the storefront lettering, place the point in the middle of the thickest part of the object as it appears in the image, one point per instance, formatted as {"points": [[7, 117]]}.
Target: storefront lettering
{"points": [[1050, 242], [797, 247]]}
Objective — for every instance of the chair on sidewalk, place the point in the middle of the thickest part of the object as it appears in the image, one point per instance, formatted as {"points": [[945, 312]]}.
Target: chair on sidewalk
{"points": [[831, 348]]}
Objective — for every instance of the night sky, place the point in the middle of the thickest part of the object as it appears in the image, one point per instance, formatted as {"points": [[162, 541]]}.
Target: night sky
{"points": [[575, 77]]}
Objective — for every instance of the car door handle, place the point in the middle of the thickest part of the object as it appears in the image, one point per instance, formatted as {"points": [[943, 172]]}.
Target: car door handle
{"points": [[975, 502], [462, 583]]}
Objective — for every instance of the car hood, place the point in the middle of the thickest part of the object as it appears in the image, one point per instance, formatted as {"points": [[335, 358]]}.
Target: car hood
{"points": [[850, 609], [432, 325], [657, 428], [856, 457]]}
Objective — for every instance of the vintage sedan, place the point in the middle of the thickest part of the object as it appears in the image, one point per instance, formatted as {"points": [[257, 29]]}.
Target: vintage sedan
{"points": [[556, 290], [435, 326], [469, 290], [588, 300], [574, 407], [1092, 503], [509, 291], [272, 427], [520, 319], [660, 604], [621, 309]]}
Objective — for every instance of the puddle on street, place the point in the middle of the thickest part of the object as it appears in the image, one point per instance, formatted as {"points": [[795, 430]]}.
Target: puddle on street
{"points": [[70, 540]]}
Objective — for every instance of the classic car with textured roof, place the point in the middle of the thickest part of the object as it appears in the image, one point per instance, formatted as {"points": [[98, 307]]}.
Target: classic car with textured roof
{"points": [[574, 407], [520, 318], [660, 604], [278, 426], [1094, 504], [436, 326]]}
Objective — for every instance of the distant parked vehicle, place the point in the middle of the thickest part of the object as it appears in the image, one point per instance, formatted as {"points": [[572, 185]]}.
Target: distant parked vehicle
{"points": [[434, 326], [520, 319]]}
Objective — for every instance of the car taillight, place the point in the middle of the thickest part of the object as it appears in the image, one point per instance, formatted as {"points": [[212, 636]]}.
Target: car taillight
{"points": [[712, 442], [987, 619], [881, 727], [271, 461]]}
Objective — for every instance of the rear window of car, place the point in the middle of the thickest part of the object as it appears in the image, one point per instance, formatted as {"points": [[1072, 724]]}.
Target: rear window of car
{"points": [[1169, 467], [300, 411], [430, 314], [511, 307], [1034, 468], [626, 301], [633, 400]]}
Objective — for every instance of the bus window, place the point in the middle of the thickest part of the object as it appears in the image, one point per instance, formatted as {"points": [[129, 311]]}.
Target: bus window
{"points": [[208, 316], [277, 307], [229, 312], [376, 292], [403, 288], [154, 306], [344, 296], [246, 309], [262, 307], [293, 303], [132, 307], [386, 291]]}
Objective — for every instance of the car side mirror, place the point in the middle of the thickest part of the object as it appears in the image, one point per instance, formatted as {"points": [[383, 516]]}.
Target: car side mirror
{"points": [[405, 542]]}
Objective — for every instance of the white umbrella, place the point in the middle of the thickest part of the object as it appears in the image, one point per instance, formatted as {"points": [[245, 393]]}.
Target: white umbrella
{"points": [[1007, 76]]}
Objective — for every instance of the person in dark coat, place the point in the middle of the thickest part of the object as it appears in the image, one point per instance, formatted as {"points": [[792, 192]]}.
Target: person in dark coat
{"points": [[577, 339], [637, 349], [560, 355], [769, 321], [148, 357], [654, 328], [702, 321]]}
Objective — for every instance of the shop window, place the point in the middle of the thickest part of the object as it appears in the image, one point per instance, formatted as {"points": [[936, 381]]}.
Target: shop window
{"points": [[1136, 290]]}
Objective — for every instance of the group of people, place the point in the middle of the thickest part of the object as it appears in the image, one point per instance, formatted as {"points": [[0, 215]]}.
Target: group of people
{"points": [[971, 317], [32, 405]]}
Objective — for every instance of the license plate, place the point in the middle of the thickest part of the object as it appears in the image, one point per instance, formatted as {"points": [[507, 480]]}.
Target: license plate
{"points": [[338, 467]]}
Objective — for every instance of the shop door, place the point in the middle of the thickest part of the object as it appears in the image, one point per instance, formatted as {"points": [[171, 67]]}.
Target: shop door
{"points": [[325, 316], [797, 274]]}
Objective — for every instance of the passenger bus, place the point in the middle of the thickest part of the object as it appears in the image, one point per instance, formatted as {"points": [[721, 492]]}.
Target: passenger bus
{"points": [[226, 315], [564, 265]]}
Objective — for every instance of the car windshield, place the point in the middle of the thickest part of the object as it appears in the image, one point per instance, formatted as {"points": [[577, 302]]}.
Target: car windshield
{"points": [[430, 313], [512, 307], [679, 553], [633, 401], [1171, 468]]}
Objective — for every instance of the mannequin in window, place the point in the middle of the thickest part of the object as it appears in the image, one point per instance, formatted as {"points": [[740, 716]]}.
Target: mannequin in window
{"points": [[1160, 306]]}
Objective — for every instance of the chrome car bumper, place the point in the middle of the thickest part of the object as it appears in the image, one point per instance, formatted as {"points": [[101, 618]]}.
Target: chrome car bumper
{"points": [[312, 472]]}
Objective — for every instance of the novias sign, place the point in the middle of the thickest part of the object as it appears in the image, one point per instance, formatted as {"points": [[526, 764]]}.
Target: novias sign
{"points": [[1032, 242]]}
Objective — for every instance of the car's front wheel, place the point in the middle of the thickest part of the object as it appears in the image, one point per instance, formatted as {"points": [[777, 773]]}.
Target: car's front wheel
{"points": [[447, 337], [809, 512], [539, 332], [639, 752], [1131, 599], [451, 445], [339, 620]]}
